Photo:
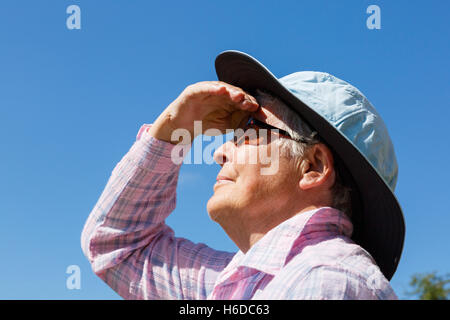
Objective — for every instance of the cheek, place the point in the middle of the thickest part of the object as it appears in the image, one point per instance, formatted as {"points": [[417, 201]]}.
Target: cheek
{"points": [[254, 187], [248, 176], [270, 188]]}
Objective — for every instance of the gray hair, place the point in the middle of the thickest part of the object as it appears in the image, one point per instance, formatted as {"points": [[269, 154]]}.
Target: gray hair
{"points": [[300, 130]]}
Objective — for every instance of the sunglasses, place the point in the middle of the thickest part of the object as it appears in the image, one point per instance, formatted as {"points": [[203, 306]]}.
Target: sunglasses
{"points": [[252, 134]]}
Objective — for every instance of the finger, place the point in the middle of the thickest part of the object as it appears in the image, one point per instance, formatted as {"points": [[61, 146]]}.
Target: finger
{"points": [[208, 88], [237, 96], [250, 103], [248, 106], [230, 87], [251, 98]]}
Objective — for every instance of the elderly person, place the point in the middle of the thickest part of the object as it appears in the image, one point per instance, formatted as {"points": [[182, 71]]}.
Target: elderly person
{"points": [[324, 224]]}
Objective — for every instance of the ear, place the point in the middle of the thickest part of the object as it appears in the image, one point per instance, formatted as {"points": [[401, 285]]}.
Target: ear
{"points": [[317, 168]]}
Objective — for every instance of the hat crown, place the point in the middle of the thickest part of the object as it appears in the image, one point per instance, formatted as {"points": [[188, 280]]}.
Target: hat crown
{"points": [[351, 113]]}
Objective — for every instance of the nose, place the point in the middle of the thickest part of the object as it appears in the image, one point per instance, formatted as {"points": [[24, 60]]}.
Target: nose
{"points": [[224, 153]]}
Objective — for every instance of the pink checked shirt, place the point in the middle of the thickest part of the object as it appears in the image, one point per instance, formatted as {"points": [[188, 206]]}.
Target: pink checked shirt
{"points": [[309, 256]]}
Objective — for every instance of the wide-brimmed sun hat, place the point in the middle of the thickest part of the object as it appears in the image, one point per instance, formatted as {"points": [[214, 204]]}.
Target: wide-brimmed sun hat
{"points": [[347, 122]]}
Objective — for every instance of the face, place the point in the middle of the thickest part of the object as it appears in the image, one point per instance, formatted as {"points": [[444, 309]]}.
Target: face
{"points": [[243, 194]]}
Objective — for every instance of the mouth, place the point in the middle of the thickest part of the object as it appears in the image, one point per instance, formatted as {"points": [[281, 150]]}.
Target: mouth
{"points": [[222, 180]]}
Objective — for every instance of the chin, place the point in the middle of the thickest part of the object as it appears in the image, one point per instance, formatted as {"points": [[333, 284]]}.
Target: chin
{"points": [[217, 206], [213, 209]]}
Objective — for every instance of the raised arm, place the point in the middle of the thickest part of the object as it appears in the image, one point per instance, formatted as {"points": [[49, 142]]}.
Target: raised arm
{"points": [[125, 237]]}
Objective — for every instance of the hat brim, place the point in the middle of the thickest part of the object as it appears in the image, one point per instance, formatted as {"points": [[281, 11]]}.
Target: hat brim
{"points": [[377, 217]]}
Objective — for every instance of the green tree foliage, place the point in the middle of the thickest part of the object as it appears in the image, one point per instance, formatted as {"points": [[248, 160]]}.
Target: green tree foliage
{"points": [[430, 286]]}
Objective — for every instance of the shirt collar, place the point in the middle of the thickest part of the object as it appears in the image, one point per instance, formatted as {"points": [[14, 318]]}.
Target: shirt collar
{"points": [[272, 251]]}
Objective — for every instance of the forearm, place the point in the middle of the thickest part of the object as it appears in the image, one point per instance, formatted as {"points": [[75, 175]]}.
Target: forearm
{"points": [[138, 197], [127, 241]]}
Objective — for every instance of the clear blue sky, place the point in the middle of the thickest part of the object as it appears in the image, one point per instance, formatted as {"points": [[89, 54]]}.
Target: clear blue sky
{"points": [[72, 101]]}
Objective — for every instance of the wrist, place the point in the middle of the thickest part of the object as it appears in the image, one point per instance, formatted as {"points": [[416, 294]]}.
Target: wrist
{"points": [[163, 129]]}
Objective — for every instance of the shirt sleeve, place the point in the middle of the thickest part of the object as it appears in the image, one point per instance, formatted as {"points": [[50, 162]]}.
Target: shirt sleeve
{"points": [[127, 241]]}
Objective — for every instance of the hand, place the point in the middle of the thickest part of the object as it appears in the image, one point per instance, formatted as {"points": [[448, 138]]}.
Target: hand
{"points": [[217, 104]]}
